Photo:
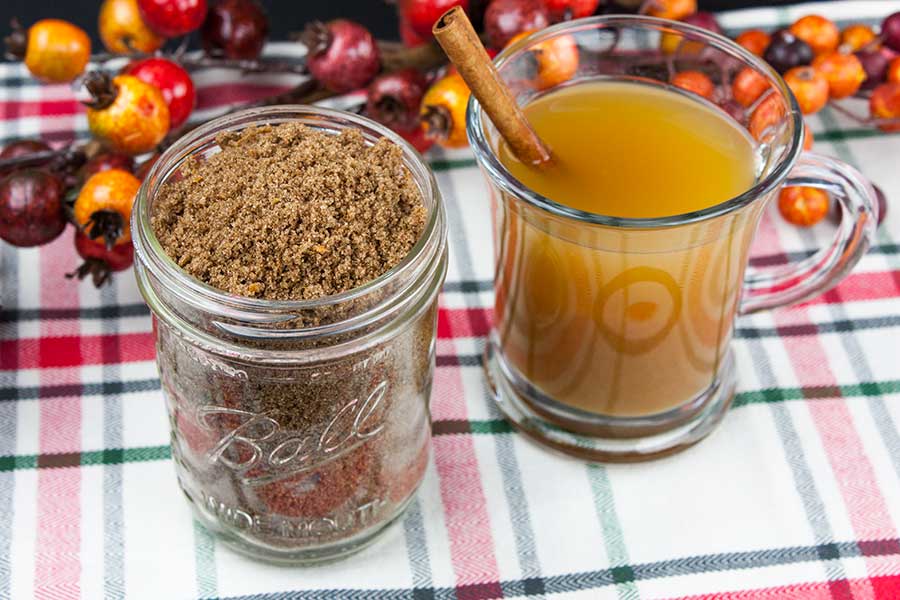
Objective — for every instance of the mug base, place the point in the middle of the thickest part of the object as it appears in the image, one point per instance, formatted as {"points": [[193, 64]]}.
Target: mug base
{"points": [[597, 438]]}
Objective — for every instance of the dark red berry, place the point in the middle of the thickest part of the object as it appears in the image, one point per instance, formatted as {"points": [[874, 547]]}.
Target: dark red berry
{"points": [[235, 29], [875, 63], [420, 15], [31, 208], [394, 98], [787, 51], [705, 20], [343, 55], [172, 80], [22, 148], [890, 31], [172, 18], [99, 261], [105, 162], [505, 19]]}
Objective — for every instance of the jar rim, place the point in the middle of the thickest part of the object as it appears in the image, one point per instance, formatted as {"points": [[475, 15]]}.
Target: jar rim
{"points": [[150, 250]]}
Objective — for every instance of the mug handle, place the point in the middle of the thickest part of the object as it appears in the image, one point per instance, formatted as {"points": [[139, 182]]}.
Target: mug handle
{"points": [[772, 287]]}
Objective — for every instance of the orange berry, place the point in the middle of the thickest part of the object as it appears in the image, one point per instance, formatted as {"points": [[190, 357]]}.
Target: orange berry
{"points": [[893, 72], [854, 37], [103, 206], [884, 103], [123, 30], [748, 86], [803, 206], [444, 111], [820, 33], [132, 116], [807, 137], [754, 40], [54, 51], [696, 82], [555, 60], [768, 114], [810, 88], [844, 73], [671, 9]]}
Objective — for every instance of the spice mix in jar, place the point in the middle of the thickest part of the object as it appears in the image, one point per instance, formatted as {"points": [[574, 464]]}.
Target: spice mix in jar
{"points": [[291, 257]]}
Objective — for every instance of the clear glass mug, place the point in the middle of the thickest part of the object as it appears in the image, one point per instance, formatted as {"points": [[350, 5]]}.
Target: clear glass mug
{"points": [[611, 336]]}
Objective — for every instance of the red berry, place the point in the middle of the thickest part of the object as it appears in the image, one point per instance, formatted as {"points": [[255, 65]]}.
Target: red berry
{"points": [[505, 19], [417, 137], [105, 162], [118, 258], [408, 35], [99, 261], [890, 31], [563, 10], [172, 80], [236, 29], [172, 18], [31, 208], [343, 55], [394, 98], [875, 62], [19, 148], [420, 15]]}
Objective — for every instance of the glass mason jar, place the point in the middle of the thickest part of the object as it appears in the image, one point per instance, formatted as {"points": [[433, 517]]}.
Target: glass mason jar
{"points": [[612, 336], [300, 429]]}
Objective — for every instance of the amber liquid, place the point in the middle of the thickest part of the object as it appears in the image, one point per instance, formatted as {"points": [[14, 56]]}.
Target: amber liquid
{"points": [[614, 321]]}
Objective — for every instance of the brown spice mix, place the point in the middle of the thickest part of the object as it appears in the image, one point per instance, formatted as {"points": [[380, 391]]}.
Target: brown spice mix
{"points": [[286, 212]]}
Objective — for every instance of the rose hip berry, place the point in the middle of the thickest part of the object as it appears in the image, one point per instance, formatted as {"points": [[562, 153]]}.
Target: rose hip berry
{"points": [[103, 206], [787, 51], [885, 104], [844, 73], [754, 40], [552, 62], [394, 98], [420, 15], [564, 10], [820, 33], [893, 71], [443, 111], [129, 114], [671, 9], [803, 206], [172, 80], [890, 31], [809, 87], [408, 35], [855, 37], [748, 86], [172, 18], [343, 55], [695, 82], [54, 51], [123, 30], [235, 29], [505, 19], [31, 208], [99, 261]]}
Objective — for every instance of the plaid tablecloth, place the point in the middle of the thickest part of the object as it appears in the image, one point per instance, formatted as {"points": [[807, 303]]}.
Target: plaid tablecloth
{"points": [[797, 495]]}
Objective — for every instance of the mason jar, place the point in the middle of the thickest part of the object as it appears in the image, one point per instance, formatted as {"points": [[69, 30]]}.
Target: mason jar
{"points": [[300, 429]]}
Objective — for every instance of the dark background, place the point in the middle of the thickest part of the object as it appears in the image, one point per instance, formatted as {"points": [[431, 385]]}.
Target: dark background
{"points": [[284, 15]]}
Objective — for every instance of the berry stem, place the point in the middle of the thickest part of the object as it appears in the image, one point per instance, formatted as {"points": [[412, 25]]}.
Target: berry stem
{"points": [[17, 41]]}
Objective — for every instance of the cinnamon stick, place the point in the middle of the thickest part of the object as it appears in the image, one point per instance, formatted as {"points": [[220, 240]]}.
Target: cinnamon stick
{"points": [[455, 34]]}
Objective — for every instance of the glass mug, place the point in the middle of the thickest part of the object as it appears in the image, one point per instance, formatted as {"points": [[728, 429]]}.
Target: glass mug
{"points": [[611, 336]]}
